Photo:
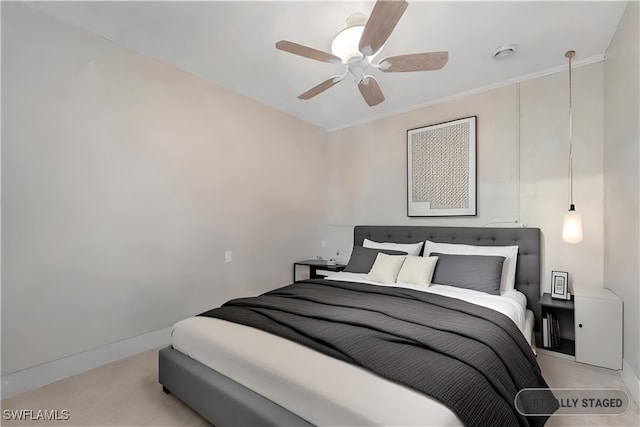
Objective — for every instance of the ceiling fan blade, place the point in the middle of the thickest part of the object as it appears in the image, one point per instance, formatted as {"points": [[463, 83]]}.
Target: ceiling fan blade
{"points": [[384, 17], [319, 88], [370, 90], [414, 62], [307, 52]]}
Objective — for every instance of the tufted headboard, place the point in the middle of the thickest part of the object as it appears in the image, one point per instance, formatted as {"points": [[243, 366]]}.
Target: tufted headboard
{"points": [[527, 239]]}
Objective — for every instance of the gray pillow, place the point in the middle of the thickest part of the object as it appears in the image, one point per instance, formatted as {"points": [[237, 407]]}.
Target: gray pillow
{"points": [[477, 272], [362, 259]]}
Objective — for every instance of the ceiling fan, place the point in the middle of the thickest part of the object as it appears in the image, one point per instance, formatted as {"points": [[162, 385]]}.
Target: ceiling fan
{"points": [[356, 46]]}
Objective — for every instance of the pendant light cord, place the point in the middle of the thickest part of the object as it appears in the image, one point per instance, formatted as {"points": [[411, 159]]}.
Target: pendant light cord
{"points": [[570, 55]]}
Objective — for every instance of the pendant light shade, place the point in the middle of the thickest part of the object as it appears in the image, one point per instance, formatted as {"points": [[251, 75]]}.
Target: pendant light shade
{"points": [[572, 226]]}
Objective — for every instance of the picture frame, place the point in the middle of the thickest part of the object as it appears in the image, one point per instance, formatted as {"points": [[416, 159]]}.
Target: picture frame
{"points": [[560, 285], [442, 169]]}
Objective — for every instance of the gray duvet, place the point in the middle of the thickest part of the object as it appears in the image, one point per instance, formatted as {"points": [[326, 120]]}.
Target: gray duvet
{"points": [[472, 359]]}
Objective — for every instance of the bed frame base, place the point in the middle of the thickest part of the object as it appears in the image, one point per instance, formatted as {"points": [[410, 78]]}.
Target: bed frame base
{"points": [[218, 399]]}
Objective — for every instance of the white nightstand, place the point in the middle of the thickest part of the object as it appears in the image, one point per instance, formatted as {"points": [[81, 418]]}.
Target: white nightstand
{"points": [[598, 328]]}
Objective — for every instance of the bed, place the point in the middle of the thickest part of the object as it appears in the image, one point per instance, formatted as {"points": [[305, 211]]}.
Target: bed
{"points": [[262, 378]]}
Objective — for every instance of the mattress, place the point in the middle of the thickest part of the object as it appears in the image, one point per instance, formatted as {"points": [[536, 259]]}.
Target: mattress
{"points": [[323, 390]]}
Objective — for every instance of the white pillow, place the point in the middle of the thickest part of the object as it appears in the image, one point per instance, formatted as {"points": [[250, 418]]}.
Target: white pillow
{"points": [[510, 253], [386, 268], [409, 248], [417, 270]]}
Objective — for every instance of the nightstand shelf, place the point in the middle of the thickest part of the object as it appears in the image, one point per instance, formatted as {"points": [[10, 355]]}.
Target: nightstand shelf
{"points": [[567, 347], [564, 311], [317, 267]]}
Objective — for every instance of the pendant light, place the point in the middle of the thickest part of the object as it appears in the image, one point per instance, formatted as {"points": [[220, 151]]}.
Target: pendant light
{"points": [[572, 226]]}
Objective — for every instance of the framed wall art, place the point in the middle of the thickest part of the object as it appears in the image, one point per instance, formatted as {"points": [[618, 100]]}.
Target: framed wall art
{"points": [[560, 285], [441, 169]]}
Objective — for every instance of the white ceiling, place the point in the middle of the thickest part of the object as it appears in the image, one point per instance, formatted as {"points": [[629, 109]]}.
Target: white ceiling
{"points": [[231, 43]]}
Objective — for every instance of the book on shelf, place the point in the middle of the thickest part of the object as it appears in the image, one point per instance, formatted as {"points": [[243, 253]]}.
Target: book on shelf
{"points": [[551, 331]]}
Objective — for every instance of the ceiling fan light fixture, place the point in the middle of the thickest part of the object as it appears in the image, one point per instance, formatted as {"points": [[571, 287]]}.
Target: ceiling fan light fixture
{"points": [[345, 43]]}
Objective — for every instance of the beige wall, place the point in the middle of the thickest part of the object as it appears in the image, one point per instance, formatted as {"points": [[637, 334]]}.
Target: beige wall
{"points": [[522, 168], [368, 179], [622, 179], [123, 183]]}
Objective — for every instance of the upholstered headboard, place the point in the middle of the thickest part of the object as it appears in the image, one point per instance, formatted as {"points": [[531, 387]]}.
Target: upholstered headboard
{"points": [[527, 239]]}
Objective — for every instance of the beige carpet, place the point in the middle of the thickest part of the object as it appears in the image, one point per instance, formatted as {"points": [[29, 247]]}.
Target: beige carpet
{"points": [[122, 393], [127, 393], [561, 373]]}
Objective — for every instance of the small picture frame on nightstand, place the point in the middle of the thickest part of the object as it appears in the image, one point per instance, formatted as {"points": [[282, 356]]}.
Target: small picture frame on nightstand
{"points": [[560, 285]]}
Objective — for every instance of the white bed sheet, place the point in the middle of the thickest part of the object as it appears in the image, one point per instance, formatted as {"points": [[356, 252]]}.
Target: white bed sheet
{"points": [[323, 390]]}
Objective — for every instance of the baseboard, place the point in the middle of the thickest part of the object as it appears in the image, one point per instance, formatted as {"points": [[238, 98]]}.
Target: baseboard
{"points": [[50, 372], [631, 381]]}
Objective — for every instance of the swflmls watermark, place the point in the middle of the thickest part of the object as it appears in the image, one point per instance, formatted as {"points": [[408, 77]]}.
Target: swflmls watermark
{"points": [[36, 414], [571, 401]]}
